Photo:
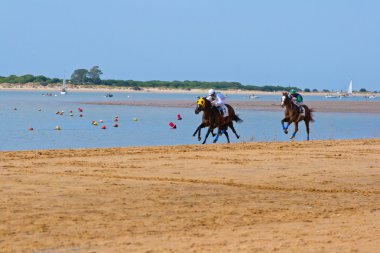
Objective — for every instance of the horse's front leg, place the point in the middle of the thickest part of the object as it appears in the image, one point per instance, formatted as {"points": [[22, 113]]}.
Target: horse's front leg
{"points": [[295, 130], [207, 134], [285, 128], [198, 130]]}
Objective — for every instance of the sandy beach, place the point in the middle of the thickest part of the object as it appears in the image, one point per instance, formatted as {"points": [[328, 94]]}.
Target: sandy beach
{"points": [[317, 196]]}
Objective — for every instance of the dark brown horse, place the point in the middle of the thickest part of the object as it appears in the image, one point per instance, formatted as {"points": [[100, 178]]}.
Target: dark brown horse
{"points": [[293, 115], [212, 118]]}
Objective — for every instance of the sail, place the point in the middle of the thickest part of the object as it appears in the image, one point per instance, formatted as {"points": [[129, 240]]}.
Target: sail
{"points": [[349, 90]]}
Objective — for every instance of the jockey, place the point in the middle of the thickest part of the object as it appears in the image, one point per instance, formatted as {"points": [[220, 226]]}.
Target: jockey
{"points": [[217, 100], [297, 99]]}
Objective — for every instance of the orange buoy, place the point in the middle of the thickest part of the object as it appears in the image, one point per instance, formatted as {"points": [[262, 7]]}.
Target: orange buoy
{"points": [[179, 117], [30, 129], [80, 115], [172, 125], [104, 127]]}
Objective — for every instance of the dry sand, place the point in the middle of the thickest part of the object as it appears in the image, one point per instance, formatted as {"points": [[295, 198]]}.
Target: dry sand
{"points": [[317, 196]]}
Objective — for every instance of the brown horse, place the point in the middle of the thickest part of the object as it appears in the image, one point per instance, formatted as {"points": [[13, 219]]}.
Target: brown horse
{"points": [[212, 118], [292, 114]]}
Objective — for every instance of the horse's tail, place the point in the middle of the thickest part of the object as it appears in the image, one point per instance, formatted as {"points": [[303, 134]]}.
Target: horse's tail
{"points": [[311, 115], [231, 112], [236, 118]]}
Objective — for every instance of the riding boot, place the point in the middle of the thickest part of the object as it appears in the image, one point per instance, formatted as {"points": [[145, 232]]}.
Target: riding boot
{"points": [[220, 109]]}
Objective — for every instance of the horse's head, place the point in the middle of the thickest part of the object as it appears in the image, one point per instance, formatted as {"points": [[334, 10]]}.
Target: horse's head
{"points": [[201, 105], [285, 99]]}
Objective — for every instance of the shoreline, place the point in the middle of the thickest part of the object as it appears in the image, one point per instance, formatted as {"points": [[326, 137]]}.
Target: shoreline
{"points": [[83, 88], [372, 107]]}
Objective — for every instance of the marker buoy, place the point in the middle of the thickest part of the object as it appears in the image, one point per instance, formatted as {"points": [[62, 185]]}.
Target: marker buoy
{"points": [[57, 112], [57, 128], [101, 121], [80, 109], [104, 127], [80, 115], [135, 119], [71, 114], [116, 119], [30, 129], [94, 123], [172, 125], [179, 117], [116, 125], [71, 111]]}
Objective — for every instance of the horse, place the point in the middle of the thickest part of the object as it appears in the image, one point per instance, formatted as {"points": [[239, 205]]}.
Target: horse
{"points": [[292, 114], [212, 118]]}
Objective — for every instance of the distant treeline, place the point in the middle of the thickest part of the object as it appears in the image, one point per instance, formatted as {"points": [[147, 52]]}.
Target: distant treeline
{"points": [[137, 85]]}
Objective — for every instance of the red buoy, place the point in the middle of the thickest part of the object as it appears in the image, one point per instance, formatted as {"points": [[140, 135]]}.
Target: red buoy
{"points": [[80, 115], [103, 127], [116, 125], [80, 109], [116, 120], [172, 125], [30, 129], [179, 117]]}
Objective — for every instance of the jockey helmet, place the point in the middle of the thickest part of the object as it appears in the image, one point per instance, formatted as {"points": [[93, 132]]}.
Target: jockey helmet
{"points": [[211, 92], [292, 91]]}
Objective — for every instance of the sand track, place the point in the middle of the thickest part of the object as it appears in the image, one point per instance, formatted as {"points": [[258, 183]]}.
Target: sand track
{"points": [[246, 197]]}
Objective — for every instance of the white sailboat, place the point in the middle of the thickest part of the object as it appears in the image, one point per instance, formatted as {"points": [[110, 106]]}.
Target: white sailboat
{"points": [[63, 90], [349, 91]]}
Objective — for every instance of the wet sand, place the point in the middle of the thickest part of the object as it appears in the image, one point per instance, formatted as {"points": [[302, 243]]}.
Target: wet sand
{"points": [[317, 106], [317, 196]]}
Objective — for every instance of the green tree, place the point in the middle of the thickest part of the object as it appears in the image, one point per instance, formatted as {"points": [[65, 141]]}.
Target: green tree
{"points": [[315, 90], [306, 90], [79, 76], [362, 90], [94, 75]]}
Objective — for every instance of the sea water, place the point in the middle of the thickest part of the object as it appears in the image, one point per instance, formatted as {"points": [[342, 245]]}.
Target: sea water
{"points": [[21, 110]]}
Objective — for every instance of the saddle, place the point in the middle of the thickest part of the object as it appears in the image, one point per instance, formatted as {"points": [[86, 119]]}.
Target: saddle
{"points": [[300, 108], [223, 111]]}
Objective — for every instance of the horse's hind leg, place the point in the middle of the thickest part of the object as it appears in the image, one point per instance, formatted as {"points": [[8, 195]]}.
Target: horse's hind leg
{"points": [[226, 133], [307, 129], [295, 130], [231, 125], [220, 132]]}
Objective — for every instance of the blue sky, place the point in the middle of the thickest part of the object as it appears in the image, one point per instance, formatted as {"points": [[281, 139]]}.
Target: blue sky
{"points": [[309, 44]]}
